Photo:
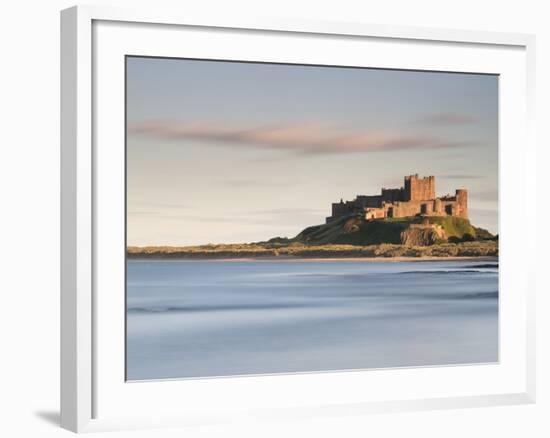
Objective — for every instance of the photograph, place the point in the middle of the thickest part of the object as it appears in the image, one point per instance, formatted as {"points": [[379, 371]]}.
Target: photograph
{"points": [[275, 219], [295, 218]]}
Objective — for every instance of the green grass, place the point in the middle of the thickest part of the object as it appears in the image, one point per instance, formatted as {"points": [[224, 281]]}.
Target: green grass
{"points": [[454, 226], [408, 219], [373, 233]]}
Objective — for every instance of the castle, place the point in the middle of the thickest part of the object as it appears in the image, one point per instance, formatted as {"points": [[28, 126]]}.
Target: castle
{"points": [[416, 197]]}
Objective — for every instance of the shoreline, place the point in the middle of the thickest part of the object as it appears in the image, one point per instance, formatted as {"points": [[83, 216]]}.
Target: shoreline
{"points": [[471, 250], [288, 258]]}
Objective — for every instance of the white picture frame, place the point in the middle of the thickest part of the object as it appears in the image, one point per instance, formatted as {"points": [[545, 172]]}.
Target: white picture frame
{"points": [[92, 392]]}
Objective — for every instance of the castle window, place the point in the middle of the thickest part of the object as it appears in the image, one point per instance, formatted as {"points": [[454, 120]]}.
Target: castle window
{"points": [[449, 209], [424, 209]]}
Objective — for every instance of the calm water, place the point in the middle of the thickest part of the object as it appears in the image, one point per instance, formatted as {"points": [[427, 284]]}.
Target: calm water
{"points": [[214, 318]]}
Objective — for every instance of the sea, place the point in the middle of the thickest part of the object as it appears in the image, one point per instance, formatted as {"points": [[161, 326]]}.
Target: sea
{"points": [[196, 318]]}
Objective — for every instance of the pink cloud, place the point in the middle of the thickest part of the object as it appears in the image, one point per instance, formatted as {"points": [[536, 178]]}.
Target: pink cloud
{"points": [[308, 138]]}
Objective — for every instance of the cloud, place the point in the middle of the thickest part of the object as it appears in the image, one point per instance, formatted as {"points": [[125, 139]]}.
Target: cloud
{"points": [[460, 176], [261, 220], [485, 217], [142, 213], [268, 217], [305, 138], [287, 211], [143, 209], [447, 119], [485, 195], [157, 205], [248, 183]]}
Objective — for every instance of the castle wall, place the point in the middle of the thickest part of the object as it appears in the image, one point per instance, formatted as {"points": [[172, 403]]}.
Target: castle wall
{"points": [[404, 209], [392, 195], [375, 213], [419, 189], [438, 207], [416, 197], [455, 205], [448, 206], [342, 208], [374, 201]]}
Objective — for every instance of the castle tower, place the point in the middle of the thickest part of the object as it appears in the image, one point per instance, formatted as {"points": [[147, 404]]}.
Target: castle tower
{"points": [[462, 202], [419, 189]]}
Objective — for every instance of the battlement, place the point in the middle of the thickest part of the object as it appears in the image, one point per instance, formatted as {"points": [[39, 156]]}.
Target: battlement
{"points": [[416, 198]]}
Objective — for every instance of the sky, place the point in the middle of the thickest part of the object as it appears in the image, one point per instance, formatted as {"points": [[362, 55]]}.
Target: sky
{"points": [[228, 152]]}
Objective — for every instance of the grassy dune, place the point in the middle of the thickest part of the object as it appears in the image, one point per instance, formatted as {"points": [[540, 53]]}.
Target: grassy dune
{"points": [[296, 249]]}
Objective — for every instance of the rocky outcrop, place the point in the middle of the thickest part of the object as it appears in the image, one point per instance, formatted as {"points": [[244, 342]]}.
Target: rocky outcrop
{"points": [[422, 235]]}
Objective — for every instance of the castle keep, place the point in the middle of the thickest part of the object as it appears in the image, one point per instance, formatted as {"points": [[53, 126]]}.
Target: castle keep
{"points": [[416, 197]]}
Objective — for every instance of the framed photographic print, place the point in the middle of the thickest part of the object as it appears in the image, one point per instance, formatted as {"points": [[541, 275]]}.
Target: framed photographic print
{"points": [[279, 218]]}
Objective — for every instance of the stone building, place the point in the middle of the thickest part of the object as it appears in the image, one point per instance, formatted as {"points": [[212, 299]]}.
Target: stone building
{"points": [[415, 198]]}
